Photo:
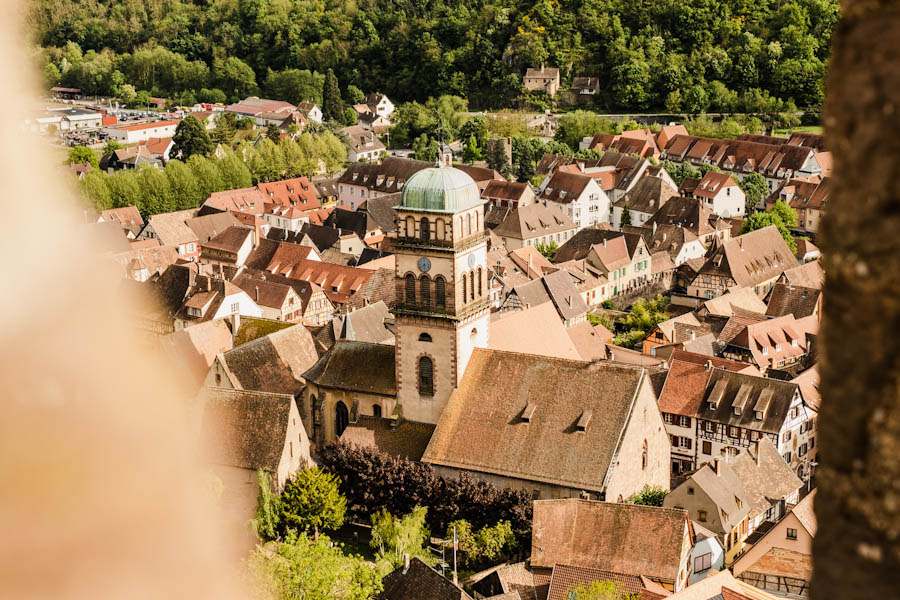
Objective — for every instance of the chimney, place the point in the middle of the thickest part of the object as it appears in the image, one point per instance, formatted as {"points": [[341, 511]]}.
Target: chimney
{"points": [[717, 465], [756, 449], [708, 364], [208, 283], [654, 230], [604, 242], [257, 294], [694, 337], [405, 563]]}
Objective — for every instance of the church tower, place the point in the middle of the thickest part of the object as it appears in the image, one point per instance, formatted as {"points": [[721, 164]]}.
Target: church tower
{"points": [[442, 310]]}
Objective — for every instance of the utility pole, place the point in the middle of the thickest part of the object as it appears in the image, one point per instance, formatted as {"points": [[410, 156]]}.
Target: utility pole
{"points": [[455, 544]]}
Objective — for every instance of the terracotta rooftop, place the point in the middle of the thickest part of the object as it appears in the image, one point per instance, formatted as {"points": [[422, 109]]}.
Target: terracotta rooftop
{"points": [[245, 429], [482, 428], [617, 537], [405, 440]]}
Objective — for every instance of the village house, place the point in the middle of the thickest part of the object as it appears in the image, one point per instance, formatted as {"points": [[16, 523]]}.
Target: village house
{"points": [[171, 230], [543, 80], [127, 216], [254, 106], [714, 496], [624, 260], [245, 431], [591, 283], [767, 343], [739, 409], [636, 141], [70, 119], [719, 192], [535, 330], [535, 224], [312, 111], [708, 553], [278, 301], [557, 287], [755, 260], [315, 307], [339, 282], [231, 247], [621, 539], [210, 298], [273, 363], [807, 196], [780, 558], [142, 132], [721, 585], [681, 244], [735, 497], [379, 104], [507, 194], [585, 86], [681, 398], [362, 144], [801, 302], [693, 215], [600, 428], [577, 196], [370, 180], [775, 162], [647, 196]]}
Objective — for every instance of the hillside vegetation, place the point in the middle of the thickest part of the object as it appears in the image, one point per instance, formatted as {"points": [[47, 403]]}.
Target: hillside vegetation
{"points": [[729, 55]]}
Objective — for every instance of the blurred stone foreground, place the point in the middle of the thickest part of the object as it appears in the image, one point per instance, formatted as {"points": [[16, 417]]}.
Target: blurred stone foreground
{"points": [[100, 496], [857, 549]]}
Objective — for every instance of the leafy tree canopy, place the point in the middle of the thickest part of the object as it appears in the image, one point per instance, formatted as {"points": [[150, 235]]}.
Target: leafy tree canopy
{"points": [[311, 500]]}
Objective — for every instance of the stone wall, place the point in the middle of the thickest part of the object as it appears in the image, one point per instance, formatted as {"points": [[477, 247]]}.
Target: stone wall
{"points": [[857, 547]]}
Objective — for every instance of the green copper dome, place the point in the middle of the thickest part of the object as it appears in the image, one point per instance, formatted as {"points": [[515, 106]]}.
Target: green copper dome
{"points": [[441, 189]]}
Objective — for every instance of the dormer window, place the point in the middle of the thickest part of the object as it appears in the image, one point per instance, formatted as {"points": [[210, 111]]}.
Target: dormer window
{"points": [[765, 351], [528, 413], [794, 343], [777, 347], [758, 415]]}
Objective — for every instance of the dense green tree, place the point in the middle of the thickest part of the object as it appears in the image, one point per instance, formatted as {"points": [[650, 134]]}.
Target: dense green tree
{"points": [[425, 148], [273, 133], [626, 216], [548, 249], [476, 126], [111, 146], [755, 190], [307, 569], [234, 77], [311, 500], [484, 545], [79, 155], [294, 85], [93, 187], [190, 138], [156, 192], [393, 538], [332, 105], [354, 94], [471, 151], [206, 174], [268, 508], [234, 172], [225, 127], [575, 126], [740, 56], [183, 185], [787, 214], [649, 496], [497, 158]]}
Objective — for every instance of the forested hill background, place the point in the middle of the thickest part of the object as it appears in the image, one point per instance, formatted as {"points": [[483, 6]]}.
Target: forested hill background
{"points": [[689, 55]]}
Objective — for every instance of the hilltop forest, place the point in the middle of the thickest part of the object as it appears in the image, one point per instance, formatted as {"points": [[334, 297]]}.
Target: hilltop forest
{"points": [[685, 55]]}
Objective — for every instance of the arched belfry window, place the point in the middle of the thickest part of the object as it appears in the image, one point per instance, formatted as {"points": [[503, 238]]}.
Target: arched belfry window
{"points": [[644, 456], [341, 418], [410, 288], [479, 282], [471, 285], [425, 289], [464, 287], [424, 337], [424, 229], [410, 227], [426, 376], [440, 290]]}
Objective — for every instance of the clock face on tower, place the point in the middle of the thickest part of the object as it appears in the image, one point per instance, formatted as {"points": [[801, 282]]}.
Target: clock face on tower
{"points": [[424, 264], [472, 261]]}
